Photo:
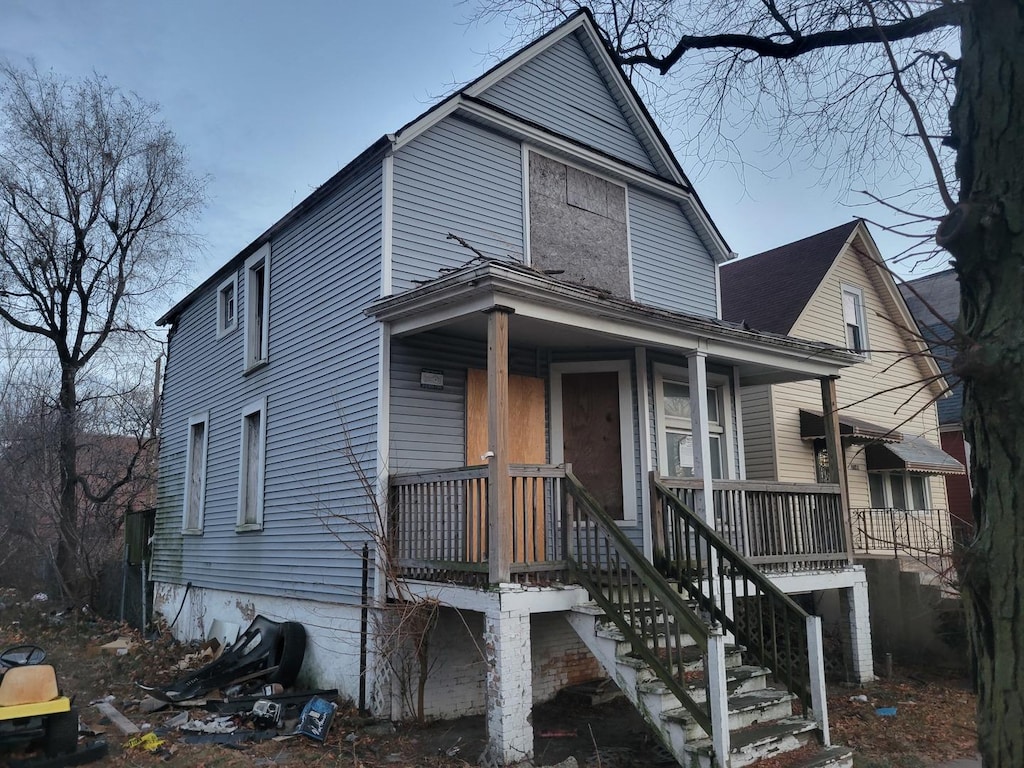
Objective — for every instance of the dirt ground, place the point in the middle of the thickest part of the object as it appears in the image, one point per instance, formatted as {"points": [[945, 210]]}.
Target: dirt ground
{"points": [[933, 720]]}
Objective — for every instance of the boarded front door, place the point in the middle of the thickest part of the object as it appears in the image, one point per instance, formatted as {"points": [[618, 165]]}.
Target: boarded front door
{"points": [[591, 435], [527, 445]]}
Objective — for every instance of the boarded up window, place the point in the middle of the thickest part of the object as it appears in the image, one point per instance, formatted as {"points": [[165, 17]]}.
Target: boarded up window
{"points": [[578, 225], [196, 472], [250, 512]]}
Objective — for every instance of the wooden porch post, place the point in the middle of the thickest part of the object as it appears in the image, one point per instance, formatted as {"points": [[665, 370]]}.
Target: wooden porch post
{"points": [[499, 487], [837, 461], [697, 366]]}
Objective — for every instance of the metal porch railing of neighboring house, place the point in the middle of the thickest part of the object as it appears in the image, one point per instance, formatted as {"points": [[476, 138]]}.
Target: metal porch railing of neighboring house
{"points": [[648, 611], [776, 631], [928, 535], [777, 526]]}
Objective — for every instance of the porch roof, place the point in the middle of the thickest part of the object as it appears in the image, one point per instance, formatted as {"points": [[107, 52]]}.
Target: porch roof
{"points": [[552, 314], [914, 454], [812, 427]]}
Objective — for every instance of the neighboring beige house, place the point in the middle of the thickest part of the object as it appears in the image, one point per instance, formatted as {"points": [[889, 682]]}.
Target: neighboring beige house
{"points": [[833, 287]]}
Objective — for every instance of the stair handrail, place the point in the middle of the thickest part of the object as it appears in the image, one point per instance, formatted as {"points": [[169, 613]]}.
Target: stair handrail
{"points": [[692, 576], [586, 516]]}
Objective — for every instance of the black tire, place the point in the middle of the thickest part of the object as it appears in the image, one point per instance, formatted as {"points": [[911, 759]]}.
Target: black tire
{"points": [[61, 733], [289, 653]]}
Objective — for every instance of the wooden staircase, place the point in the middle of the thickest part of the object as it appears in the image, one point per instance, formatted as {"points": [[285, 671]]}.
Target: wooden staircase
{"points": [[761, 719], [660, 634]]}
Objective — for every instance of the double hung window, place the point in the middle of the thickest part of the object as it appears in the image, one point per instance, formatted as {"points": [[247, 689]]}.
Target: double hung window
{"points": [[675, 428]]}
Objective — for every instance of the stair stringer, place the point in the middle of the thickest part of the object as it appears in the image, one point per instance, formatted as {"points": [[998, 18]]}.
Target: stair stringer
{"points": [[628, 678]]}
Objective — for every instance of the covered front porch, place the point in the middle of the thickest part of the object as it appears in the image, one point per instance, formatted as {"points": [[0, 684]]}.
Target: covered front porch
{"points": [[504, 381], [572, 452]]}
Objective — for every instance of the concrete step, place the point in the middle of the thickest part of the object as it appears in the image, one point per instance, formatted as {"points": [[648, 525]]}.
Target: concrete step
{"points": [[745, 709], [741, 679], [757, 742]]}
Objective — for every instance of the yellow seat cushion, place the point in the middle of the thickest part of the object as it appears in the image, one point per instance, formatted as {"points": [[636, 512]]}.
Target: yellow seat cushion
{"points": [[28, 685]]}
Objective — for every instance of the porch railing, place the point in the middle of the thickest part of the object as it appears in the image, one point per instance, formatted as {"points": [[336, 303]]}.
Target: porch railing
{"points": [[778, 526], [439, 529], [923, 533], [777, 632], [645, 608]]}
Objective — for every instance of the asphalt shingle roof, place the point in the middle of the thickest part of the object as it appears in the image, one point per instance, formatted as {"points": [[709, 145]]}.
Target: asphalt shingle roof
{"points": [[768, 291]]}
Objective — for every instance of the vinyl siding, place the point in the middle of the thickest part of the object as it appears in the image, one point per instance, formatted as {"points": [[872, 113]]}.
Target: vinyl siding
{"points": [[562, 90], [671, 267], [428, 427], [862, 388], [758, 434], [321, 421], [456, 178]]}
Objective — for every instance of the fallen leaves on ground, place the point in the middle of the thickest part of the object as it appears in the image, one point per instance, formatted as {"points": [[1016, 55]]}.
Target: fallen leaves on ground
{"points": [[934, 718]]}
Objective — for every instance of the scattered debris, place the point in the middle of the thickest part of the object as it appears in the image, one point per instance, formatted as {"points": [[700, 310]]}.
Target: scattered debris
{"points": [[556, 733], [860, 697], [886, 711], [215, 724], [149, 742], [124, 725], [118, 647], [150, 704], [316, 718], [267, 649], [267, 714], [177, 721]]}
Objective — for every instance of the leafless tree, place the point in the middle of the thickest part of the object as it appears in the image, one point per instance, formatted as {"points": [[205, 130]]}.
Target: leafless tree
{"points": [[96, 205], [871, 84]]}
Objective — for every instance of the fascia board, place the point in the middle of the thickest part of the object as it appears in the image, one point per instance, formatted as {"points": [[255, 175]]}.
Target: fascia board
{"points": [[479, 289]]}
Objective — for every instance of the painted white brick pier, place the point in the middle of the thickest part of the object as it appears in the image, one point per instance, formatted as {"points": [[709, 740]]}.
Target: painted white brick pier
{"points": [[509, 686]]}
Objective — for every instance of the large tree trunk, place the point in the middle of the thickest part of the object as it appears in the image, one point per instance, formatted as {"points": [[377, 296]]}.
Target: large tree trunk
{"points": [[67, 453], [986, 235]]}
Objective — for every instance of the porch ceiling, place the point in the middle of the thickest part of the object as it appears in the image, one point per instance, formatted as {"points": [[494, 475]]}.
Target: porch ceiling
{"points": [[550, 314]]}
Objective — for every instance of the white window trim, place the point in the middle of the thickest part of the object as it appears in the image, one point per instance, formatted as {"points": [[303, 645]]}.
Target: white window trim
{"points": [[224, 330], [716, 381], [256, 406], [626, 436], [862, 319], [908, 494], [204, 419], [262, 255]]}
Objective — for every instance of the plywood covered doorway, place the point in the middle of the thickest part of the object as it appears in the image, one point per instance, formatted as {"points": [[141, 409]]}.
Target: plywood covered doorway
{"points": [[527, 445]]}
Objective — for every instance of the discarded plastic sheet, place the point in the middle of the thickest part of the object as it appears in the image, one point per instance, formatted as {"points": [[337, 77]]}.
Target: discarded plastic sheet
{"points": [[316, 718], [886, 711], [222, 724], [267, 649]]}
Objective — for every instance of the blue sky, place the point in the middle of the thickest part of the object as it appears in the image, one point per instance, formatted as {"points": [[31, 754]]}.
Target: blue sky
{"points": [[271, 98]]}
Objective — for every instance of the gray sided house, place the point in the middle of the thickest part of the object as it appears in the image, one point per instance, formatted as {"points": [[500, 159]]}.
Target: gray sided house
{"points": [[488, 352]]}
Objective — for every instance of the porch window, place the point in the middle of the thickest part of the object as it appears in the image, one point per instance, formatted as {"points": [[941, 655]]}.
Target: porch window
{"points": [[677, 431], [898, 490]]}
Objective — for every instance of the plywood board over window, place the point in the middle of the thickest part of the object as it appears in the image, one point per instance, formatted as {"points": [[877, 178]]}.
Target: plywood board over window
{"points": [[527, 445], [578, 225]]}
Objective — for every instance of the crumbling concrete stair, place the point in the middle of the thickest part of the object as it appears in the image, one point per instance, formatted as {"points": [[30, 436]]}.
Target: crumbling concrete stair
{"points": [[761, 720]]}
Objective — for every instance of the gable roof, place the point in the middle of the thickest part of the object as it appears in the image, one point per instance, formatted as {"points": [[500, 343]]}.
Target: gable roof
{"points": [[769, 290], [934, 301], [669, 177], [932, 295]]}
